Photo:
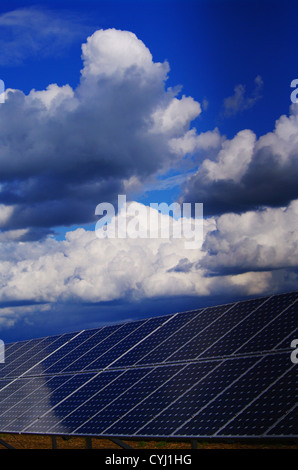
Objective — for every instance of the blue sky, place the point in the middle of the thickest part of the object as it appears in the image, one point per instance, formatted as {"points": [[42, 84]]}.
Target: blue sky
{"points": [[164, 101]]}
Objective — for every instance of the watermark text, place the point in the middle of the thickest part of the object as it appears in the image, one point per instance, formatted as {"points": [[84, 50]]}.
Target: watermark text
{"points": [[160, 220], [2, 352], [294, 94], [2, 92]]}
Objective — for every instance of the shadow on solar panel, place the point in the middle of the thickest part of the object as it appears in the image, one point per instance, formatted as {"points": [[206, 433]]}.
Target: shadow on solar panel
{"points": [[219, 372]]}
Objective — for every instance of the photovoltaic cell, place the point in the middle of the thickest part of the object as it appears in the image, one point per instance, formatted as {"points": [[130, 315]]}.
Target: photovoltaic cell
{"points": [[30, 392], [234, 398], [222, 371], [33, 355], [270, 337], [252, 325], [288, 425], [56, 362], [152, 405], [113, 336], [266, 408], [175, 323], [201, 321], [126, 380], [210, 335], [79, 357], [13, 359], [195, 398], [286, 342], [126, 344], [147, 384]]}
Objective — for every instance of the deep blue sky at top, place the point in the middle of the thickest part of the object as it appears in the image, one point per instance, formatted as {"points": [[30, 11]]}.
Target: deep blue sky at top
{"points": [[211, 46]]}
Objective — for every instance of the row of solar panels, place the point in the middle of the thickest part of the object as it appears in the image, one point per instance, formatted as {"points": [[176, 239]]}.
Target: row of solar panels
{"points": [[247, 396], [216, 372], [246, 327]]}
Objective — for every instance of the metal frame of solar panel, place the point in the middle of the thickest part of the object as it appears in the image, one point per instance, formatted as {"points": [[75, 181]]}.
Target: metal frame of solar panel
{"points": [[214, 373]]}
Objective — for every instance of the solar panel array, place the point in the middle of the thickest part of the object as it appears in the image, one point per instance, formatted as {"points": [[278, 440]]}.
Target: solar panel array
{"points": [[222, 371]]}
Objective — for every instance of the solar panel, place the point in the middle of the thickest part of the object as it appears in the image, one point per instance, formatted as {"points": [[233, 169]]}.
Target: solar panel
{"points": [[218, 372]]}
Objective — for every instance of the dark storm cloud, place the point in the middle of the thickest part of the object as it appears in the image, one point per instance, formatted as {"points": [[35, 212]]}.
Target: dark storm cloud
{"points": [[63, 151], [251, 176]]}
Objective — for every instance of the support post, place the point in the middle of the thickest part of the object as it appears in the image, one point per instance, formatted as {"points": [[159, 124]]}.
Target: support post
{"points": [[54, 442], [120, 443], [194, 444], [89, 442], [3, 443]]}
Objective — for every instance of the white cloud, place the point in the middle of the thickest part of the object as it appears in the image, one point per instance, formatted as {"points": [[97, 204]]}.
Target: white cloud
{"points": [[53, 96], [86, 268], [113, 53], [254, 240], [176, 116], [245, 172], [104, 128], [240, 251], [192, 142], [233, 158]]}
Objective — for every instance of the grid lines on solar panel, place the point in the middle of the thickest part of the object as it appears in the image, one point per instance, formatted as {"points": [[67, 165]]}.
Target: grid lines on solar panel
{"points": [[34, 355], [176, 322], [54, 411], [286, 343], [233, 341], [215, 331], [264, 411], [196, 397], [138, 383], [57, 350], [222, 371], [115, 353], [185, 334], [273, 334], [105, 396], [77, 406], [183, 379], [240, 393], [3, 384], [77, 359], [110, 336], [64, 356], [17, 408], [13, 359], [15, 348], [147, 384], [70, 386], [288, 425]]}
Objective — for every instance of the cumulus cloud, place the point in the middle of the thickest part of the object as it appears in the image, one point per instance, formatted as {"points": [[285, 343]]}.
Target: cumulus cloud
{"points": [[177, 115], [239, 102], [64, 150], [248, 254], [192, 142], [254, 241], [114, 53], [87, 268], [249, 173]]}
